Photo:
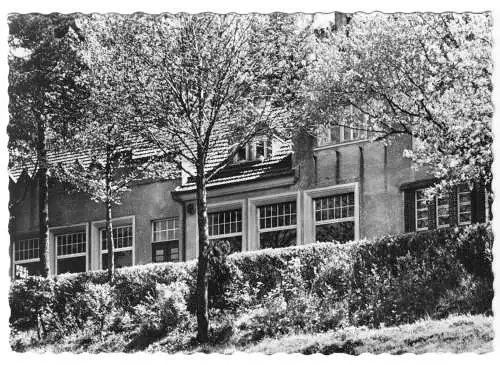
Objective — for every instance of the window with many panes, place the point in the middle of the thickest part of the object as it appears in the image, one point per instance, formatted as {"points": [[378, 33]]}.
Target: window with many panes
{"points": [[334, 218], [165, 240], [123, 238], [27, 257], [277, 225], [464, 205], [27, 250], [71, 252], [421, 210], [226, 226]]}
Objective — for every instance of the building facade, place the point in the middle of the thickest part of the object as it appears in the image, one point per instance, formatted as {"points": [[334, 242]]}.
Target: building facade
{"points": [[339, 187]]}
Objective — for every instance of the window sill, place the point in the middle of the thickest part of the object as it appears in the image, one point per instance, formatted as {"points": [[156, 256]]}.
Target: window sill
{"points": [[329, 146], [421, 229], [27, 261]]}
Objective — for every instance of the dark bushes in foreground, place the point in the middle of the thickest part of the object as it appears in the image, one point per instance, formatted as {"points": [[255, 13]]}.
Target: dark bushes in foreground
{"points": [[388, 280]]}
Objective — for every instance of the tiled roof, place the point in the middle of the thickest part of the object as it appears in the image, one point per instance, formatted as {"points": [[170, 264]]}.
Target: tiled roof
{"points": [[140, 149], [280, 164]]}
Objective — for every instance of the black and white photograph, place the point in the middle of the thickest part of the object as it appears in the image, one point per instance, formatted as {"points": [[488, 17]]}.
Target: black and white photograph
{"points": [[257, 182]]}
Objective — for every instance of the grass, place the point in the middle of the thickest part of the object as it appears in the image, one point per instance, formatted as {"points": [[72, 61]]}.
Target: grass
{"points": [[456, 334]]}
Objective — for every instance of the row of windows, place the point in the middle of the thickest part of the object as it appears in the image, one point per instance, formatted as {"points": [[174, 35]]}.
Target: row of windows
{"points": [[442, 208], [334, 220]]}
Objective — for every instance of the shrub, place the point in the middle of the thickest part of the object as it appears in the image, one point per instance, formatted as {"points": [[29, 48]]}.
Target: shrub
{"points": [[27, 298], [162, 310], [390, 280]]}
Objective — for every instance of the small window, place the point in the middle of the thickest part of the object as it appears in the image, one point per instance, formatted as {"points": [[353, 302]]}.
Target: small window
{"points": [[27, 250], [422, 210], [166, 229], [464, 205], [27, 258], [442, 212], [165, 240], [257, 149], [166, 252], [337, 134]]}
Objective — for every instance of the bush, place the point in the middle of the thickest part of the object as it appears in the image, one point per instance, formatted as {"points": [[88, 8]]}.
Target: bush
{"points": [[388, 280]]}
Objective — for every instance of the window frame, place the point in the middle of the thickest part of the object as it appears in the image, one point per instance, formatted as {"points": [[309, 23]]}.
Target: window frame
{"points": [[121, 249], [168, 242], [426, 228], [176, 229], [278, 228], [436, 202], [469, 192], [333, 221], [342, 141], [226, 235], [251, 150], [26, 261], [58, 257]]}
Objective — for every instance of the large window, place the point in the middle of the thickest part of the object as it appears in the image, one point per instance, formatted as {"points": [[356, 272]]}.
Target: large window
{"points": [[226, 226], [464, 205], [334, 218], [165, 240], [27, 257], [277, 225], [123, 244], [421, 210], [71, 252]]}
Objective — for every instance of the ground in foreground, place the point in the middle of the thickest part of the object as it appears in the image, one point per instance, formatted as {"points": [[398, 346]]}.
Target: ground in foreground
{"points": [[455, 334]]}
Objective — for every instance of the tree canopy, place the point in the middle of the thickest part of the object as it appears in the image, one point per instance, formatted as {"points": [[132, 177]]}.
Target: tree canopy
{"points": [[421, 74], [193, 81]]}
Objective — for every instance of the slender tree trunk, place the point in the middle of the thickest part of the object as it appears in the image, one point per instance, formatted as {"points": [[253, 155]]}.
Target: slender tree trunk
{"points": [[201, 277], [43, 198], [109, 225], [110, 243]]}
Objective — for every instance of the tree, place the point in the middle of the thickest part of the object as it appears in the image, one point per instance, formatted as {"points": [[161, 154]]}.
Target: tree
{"points": [[197, 80], [109, 155], [424, 75], [46, 92]]}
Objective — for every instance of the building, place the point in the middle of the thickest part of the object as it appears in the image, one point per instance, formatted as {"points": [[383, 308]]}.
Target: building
{"points": [[339, 186]]}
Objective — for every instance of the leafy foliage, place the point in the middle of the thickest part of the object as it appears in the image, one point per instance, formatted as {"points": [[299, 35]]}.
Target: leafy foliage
{"points": [[425, 75], [47, 82]]}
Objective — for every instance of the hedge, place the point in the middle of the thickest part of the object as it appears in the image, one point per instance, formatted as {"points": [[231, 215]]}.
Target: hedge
{"points": [[391, 279]]}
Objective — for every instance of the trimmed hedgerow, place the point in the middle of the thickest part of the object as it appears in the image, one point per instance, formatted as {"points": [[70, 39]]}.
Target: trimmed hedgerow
{"points": [[387, 280]]}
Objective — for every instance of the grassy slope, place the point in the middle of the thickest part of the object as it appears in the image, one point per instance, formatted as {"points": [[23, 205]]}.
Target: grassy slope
{"points": [[455, 334]]}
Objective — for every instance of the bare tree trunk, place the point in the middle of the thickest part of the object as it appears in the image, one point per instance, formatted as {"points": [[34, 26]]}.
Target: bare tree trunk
{"points": [[201, 277], [43, 198], [109, 225], [110, 243]]}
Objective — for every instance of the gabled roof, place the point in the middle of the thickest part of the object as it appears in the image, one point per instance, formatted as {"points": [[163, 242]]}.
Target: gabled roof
{"points": [[278, 165]]}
